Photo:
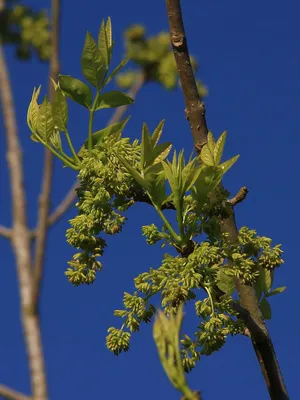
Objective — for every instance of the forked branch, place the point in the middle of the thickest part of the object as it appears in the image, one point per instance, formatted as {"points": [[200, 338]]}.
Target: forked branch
{"points": [[195, 113]]}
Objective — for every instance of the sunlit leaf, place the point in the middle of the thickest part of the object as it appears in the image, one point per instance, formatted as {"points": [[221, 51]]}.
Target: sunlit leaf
{"points": [[60, 110], [275, 291], [157, 132], [115, 71], [228, 164], [45, 123], [113, 99], [210, 142], [207, 156], [225, 283], [103, 45], [92, 64], [219, 147], [76, 89]]}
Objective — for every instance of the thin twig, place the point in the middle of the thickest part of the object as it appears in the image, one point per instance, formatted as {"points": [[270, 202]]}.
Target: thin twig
{"points": [[11, 394], [239, 197], [21, 237], [5, 232], [44, 200], [195, 113], [70, 197]]}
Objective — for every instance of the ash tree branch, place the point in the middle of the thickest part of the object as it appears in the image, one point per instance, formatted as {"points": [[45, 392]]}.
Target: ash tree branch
{"points": [[5, 232], [20, 237], [10, 394], [44, 200], [195, 113]]}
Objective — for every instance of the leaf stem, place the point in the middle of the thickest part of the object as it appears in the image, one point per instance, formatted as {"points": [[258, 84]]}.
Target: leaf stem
{"points": [[91, 120], [63, 158], [71, 146], [176, 237]]}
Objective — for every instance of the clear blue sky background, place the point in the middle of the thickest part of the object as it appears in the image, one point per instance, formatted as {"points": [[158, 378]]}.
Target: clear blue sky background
{"points": [[250, 60]]}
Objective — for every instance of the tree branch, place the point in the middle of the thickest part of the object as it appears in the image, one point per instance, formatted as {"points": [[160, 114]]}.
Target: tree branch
{"points": [[44, 200], [195, 113], [5, 232], [70, 197], [21, 237], [11, 394], [239, 197]]}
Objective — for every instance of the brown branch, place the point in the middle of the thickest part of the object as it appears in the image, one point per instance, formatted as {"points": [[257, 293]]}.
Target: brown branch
{"points": [[5, 232], [239, 197], [195, 113], [11, 394], [21, 237], [70, 197], [44, 200]]}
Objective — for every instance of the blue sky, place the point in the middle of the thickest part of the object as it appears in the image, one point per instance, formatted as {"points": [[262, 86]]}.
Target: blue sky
{"points": [[250, 60]]}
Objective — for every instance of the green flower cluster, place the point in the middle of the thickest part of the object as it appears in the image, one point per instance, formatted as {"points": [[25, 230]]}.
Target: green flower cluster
{"points": [[154, 55], [209, 268], [105, 192], [26, 29]]}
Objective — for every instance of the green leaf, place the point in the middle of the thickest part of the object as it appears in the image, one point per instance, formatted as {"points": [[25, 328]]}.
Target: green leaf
{"points": [[265, 279], [103, 45], [161, 152], [76, 89], [156, 185], [134, 173], [265, 308], [55, 85], [108, 31], [33, 110], [225, 283], [219, 147], [93, 67], [207, 156], [228, 164], [60, 110], [275, 291], [113, 99], [115, 71], [157, 132], [55, 140], [98, 136], [210, 142], [45, 123], [146, 147]]}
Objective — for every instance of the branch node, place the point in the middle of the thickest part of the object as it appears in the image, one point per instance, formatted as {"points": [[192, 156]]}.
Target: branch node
{"points": [[239, 197]]}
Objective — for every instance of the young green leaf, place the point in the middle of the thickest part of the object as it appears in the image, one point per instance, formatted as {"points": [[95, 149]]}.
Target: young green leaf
{"points": [[55, 140], [76, 89], [93, 66], [207, 156], [146, 147], [60, 110], [134, 173], [157, 132], [156, 185], [275, 291], [113, 99], [98, 136], [225, 283], [103, 45], [265, 279], [45, 123], [115, 71], [33, 110], [160, 152], [265, 308], [108, 31], [210, 142], [228, 164], [219, 147]]}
